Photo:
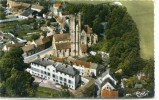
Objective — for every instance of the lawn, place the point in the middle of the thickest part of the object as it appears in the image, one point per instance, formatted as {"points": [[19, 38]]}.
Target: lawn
{"points": [[47, 93]]}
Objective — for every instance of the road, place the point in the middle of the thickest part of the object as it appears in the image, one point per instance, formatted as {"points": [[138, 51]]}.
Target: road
{"points": [[41, 53], [11, 19]]}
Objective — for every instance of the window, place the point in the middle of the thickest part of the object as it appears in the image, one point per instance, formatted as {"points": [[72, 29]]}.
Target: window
{"points": [[56, 80], [69, 81], [65, 79], [44, 72], [41, 71], [53, 70], [48, 69], [41, 75], [60, 78], [53, 75], [48, 74], [60, 82]]}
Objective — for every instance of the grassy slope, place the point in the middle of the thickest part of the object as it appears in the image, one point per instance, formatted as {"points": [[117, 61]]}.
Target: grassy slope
{"points": [[143, 14], [47, 93]]}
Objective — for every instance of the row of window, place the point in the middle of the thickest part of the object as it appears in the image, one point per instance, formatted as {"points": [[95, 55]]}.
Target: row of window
{"points": [[64, 83]]}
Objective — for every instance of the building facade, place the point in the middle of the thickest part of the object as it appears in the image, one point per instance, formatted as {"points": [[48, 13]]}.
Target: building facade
{"points": [[56, 72]]}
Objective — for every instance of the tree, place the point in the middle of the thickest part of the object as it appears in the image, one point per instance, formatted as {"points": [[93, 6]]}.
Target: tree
{"points": [[14, 80], [20, 84], [65, 91], [2, 13]]}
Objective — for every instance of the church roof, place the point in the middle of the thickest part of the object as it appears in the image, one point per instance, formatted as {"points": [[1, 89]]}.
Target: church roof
{"points": [[62, 37], [60, 46]]}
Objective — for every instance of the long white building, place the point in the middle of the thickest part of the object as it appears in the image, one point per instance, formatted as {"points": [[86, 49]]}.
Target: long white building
{"points": [[55, 71]]}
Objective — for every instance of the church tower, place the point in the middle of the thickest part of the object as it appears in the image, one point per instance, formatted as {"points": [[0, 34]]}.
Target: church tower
{"points": [[75, 30]]}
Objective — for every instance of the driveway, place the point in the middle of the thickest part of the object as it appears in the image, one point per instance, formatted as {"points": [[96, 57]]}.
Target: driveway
{"points": [[46, 83]]}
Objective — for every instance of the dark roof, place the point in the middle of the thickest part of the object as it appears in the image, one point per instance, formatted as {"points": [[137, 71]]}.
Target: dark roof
{"points": [[60, 46], [43, 62], [108, 72], [109, 81], [67, 69], [64, 68], [28, 48], [27, 12]]}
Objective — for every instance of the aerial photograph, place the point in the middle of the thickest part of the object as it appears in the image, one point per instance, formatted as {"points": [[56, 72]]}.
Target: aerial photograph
{"points": [[60, 49]]}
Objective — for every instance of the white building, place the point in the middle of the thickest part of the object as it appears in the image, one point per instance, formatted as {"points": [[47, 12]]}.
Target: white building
{"points": [[86, 68], [107, 80], [55, 71]]}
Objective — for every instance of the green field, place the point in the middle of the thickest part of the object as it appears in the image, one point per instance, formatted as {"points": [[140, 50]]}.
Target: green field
{"points": [[142, 13], [43, 92]]}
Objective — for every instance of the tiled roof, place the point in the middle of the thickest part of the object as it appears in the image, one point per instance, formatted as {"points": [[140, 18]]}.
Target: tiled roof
{"points": [[83, 47], [57, 59], [62, 37], [57, 4], [83, 63], [60, 46], [109, 93], [28, 48]]}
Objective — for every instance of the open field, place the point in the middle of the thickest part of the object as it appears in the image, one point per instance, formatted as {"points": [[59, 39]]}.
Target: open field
{"points": [[142, 11], [143, 14]]}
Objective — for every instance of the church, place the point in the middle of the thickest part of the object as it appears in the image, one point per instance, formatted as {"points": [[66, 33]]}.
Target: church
{"points": [[76, 41]]}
